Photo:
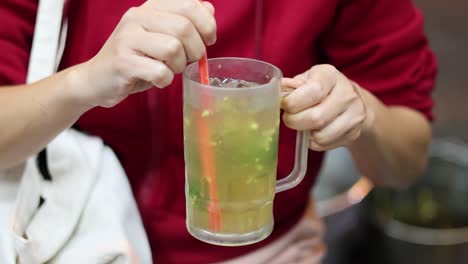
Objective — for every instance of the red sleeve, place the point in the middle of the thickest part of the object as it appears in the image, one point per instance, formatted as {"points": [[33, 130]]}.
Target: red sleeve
{"points": [[17, 18], [381, 45]]}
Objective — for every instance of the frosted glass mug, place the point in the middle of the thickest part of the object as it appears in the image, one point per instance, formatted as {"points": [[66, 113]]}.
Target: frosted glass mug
{"points": [[231, 152]]}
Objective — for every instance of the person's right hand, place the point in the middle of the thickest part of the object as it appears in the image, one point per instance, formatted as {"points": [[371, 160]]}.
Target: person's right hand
{"points": [[150, 44]]}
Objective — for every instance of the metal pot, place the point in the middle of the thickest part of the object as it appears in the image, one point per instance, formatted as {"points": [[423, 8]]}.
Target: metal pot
{"points": [[427, 223]]}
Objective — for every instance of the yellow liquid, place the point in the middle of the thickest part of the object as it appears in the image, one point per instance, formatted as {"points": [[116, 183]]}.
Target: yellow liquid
{"points": [[245, 146]]}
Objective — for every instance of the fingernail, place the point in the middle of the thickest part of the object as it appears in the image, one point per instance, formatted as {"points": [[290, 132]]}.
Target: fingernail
{"points": [[285, 91], [212, 41]]}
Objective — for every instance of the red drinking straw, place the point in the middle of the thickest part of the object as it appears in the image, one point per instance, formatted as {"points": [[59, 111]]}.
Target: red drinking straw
{"points": [[206, 152]]}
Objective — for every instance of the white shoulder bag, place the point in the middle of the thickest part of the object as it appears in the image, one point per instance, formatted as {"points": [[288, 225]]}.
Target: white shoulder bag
{"points": [[72, 202]]}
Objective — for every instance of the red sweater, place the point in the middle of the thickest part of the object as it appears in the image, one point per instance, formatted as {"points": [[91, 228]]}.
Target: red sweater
{"points": [[378, 43]]}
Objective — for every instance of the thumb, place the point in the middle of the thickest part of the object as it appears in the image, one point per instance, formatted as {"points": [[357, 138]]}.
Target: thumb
{"points": [[209, 6]]}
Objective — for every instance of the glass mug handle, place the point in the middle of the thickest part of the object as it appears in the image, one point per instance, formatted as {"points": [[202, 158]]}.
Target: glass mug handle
{"points": [[300, 162]]}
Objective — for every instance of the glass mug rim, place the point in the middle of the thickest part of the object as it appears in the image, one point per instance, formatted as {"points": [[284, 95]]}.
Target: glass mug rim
{"points": [[277, 73]]}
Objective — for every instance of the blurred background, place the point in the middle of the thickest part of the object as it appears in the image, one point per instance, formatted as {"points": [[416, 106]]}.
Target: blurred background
{"points": [[427, 223]]}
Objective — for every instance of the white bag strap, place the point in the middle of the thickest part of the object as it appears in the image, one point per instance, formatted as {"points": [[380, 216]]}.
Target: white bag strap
{"points": [[46, 51], [48, 40]]}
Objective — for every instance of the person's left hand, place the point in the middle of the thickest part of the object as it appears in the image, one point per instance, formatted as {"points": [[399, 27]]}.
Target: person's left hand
{"points": [[328, 104]]}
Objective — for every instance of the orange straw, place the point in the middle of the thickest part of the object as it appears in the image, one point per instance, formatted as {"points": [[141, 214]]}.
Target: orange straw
{"points": [[206, 152]]}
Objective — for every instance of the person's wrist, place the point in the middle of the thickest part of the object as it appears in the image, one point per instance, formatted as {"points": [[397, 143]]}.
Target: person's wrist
{"points": [[77, 83], [368, 128]]}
